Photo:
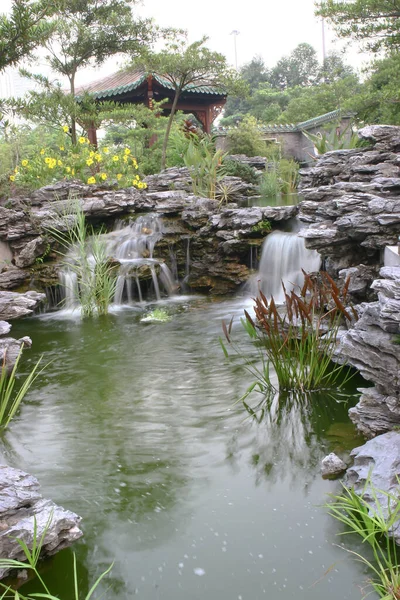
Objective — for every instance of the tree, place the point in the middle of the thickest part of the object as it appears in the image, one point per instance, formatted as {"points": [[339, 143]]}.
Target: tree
{"points": [[254, 73], [23, 30], [375, 23], [191, 66], [87, 32], [299, 68], [334, 68]]}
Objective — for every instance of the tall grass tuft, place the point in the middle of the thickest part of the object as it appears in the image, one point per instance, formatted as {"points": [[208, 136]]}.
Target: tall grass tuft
{"points": [[10, 396], [85, 254], [299, 343], [204, 164], [32, 559], [374, 525]]}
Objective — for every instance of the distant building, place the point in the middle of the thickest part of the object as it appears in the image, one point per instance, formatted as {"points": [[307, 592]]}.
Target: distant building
{"points": [[13, 85]]}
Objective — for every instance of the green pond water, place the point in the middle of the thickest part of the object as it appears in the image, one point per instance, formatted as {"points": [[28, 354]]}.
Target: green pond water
{"points": [[134, 426]]}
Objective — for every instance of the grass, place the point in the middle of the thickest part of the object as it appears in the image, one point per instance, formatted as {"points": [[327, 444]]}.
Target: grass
{"points": [[84, 253], [32, 558], [299, 344], [10, 396], [373, 524]]}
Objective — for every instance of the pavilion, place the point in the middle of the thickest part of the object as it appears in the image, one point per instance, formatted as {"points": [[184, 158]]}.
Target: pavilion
{"points": [[138, 87]]}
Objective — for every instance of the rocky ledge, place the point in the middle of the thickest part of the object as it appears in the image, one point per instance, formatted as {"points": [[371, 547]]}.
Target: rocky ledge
{"points": [[372, 346], [21, 505], [377, 465], [351, 202]]}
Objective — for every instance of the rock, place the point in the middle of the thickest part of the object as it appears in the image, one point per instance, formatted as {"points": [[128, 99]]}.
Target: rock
{"points": [[30, 252], [15, 306], [12, 277], [375, 413], [21, 504], [332, 466], [378, 463], [4, 327], [10, 349], [257, 162]]}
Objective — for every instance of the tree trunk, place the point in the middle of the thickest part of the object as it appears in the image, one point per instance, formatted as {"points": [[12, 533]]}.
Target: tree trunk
{"points": [[169, 125], [73, 120]]}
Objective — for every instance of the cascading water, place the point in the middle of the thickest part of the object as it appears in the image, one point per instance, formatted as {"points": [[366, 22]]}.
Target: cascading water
{"points": [[284, 255], [139, 275]]}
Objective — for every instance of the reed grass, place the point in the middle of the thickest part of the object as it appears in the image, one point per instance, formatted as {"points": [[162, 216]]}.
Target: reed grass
{"points": [[299, 343], [373, 523], [32, 559], [204, 164], [84, 253], [10, 395]]}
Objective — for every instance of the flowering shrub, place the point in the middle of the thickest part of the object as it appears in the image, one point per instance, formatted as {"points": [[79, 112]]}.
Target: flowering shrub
{"points": [[83, 161]]}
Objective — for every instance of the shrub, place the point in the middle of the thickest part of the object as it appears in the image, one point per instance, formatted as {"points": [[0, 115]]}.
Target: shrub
{"points": [[204, 163], [246, 139], [83, 161], [235, 168]]}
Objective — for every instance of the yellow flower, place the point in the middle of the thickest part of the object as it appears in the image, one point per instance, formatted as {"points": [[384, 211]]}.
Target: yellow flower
{"points": [[73, 172], [115, 158], [82, 140], [125, 158], [103, 176], [12, 177], [97, 157], [16, 170], [42, 151], [47, 160], [144, 184], [52, 163], [68, 169], [91, 180], [62, 148], [106, 150], [137, 177], [127, 151], [24, 163], [59, 162], [65, 129], [119, 176], [89, 161], [92, 153]]}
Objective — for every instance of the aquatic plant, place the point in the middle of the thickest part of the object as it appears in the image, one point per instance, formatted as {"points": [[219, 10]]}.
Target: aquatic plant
{"points": [[10, 395], [281, 178], [158, 314], [270, 185], [334, 139], [299, 342], [32, 559], [204, 164], [84, 254], [373, 522], [235, 168], [263, 226]]}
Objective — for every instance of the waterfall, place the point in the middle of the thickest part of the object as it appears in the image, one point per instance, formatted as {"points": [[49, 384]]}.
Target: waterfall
{"points": [[283, 257], [139, 275]]}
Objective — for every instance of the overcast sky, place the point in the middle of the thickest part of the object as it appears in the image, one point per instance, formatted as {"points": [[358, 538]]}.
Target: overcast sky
{"points": [[269, 28]]}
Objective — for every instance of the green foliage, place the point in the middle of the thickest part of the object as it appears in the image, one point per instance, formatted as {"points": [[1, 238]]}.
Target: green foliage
{"points": [[374, 524], [375, 23], [300, 343], [23, 30], [280, 178], [82, 161], [246, 138], [157, 315], [32, 559], [300, 68], [84, 254], [263, 226], [333, 140], [204, 163], [235, 168], [11, 395], [190, 65]]}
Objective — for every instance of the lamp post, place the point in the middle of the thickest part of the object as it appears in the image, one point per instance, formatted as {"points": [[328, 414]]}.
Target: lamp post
{"points": [[235, 33]]}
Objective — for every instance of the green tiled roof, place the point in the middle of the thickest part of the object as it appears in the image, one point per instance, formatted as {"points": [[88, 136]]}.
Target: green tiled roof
{"points": [[127, 81]]}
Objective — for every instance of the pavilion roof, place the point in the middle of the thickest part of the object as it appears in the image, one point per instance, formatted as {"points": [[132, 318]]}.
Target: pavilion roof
{"points": [[124, 82]]}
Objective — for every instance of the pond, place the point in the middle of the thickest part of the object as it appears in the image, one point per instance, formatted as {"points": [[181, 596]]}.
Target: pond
{"points": [[135, 426]]}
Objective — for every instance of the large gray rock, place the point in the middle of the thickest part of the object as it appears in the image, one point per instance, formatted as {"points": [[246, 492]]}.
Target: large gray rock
{"points": [[15, 306], [30, 252], [332, 466], [378, 463], [21, 508]]}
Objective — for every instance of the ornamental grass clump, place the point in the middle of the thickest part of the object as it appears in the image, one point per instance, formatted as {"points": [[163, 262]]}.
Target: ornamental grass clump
{"points": [[83, 161], [298, 343], [11, 395], [85, 255], [204, 164], [372, 515]]}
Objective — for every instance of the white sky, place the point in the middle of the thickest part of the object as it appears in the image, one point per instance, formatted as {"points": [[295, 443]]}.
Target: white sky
{"points": [[270, 28]]}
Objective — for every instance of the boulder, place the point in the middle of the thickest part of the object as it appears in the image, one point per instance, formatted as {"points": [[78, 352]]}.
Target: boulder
{"points": [[332, 466], [14, 305], [22, 508]]}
